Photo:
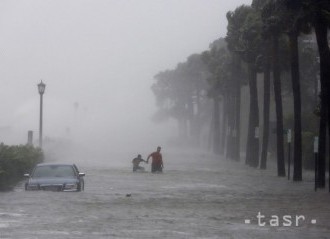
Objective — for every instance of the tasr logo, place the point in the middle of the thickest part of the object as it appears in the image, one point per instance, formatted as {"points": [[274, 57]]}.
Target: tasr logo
{"points": [[278, 221]]}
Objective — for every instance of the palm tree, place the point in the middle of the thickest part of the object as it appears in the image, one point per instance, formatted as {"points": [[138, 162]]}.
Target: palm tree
{"points": [[321, 24], [272, 26], [317, 13], [243, 39], [263, 62], [176, 92], [217, 60], [295, 21]]}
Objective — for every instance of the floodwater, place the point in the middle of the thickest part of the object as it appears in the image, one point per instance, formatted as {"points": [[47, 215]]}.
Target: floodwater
{"points": [[205, 198]]}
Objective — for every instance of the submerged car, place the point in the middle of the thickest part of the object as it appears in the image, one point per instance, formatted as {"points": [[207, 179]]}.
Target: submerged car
{"points": [[55, 177]]}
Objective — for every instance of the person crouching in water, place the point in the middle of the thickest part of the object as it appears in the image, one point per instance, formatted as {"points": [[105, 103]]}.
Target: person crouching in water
{"points": [[157, 161], [136, 161]]}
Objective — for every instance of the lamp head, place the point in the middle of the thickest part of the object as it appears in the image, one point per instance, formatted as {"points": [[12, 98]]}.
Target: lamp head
{"points": [[41, 88]]}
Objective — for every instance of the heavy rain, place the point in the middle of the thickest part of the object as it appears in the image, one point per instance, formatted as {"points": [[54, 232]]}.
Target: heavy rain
{"points": [[172, 119]]}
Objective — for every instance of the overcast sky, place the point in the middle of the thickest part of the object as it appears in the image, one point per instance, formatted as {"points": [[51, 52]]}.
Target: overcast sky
{"points": [[97, 59]]}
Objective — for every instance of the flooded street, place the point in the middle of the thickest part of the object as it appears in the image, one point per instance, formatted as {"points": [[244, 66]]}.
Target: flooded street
{"points": [[98, 83], [206, 198]]}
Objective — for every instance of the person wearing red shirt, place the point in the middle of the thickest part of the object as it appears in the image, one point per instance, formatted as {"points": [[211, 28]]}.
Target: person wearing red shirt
{"points": [[157, 161]]}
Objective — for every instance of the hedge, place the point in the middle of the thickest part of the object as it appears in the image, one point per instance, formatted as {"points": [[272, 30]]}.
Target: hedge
{"points": [[15, 161]]}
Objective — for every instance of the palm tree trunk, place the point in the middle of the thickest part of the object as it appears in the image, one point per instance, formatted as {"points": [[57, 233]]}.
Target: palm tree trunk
{"points": [[237, 127], [321, 32], [223, 124], [279, 109], [265, 137], [237, 134], [231, 138], [252, 150], [297, 158], [216, 121], [322, 144]]}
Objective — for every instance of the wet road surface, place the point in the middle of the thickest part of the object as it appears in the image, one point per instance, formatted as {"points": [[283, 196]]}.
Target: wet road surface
{"points": [[205, 198]]}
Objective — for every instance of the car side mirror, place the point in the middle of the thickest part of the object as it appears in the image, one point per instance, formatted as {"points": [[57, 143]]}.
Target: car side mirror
{"points": [[81, 175]]}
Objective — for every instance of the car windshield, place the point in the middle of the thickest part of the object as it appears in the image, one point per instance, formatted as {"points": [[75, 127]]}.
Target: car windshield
{"points": [[52, 171]]}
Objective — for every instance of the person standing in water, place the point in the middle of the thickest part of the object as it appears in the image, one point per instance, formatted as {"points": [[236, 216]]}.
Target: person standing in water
{"points": [[136, 161], [157, 161]]}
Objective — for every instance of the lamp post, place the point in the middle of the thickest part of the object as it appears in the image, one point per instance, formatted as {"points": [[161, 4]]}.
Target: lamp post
{"points": [[41, 89]]}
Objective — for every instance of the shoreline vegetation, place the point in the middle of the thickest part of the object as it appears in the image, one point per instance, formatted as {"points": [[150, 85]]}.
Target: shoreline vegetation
{"points": [[15, 160]]}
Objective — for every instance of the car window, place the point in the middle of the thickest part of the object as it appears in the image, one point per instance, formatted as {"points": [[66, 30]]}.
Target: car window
{"points": [[76, 168], [51, 171]]}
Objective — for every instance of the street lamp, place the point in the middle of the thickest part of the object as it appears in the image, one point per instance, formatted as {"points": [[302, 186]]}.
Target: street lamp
{"points": [[41, 89]]}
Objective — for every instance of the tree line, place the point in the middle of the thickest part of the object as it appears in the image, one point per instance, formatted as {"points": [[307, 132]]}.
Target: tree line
{"points": [[284, 42]]}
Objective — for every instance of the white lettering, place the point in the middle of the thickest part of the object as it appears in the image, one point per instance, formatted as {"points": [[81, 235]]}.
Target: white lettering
{"points": [[297, 219], [277, 221], [287, 222], [274, 222], [259, 216]]}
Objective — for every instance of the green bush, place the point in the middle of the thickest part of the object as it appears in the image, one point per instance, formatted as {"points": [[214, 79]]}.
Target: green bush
{"points": [[15, 161]]}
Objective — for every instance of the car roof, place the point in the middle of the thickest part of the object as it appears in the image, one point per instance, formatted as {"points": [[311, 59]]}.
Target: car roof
{"points": [[55, 164]]}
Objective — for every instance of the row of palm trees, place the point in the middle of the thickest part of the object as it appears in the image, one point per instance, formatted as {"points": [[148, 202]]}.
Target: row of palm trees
{"points": [[261, 38]]}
